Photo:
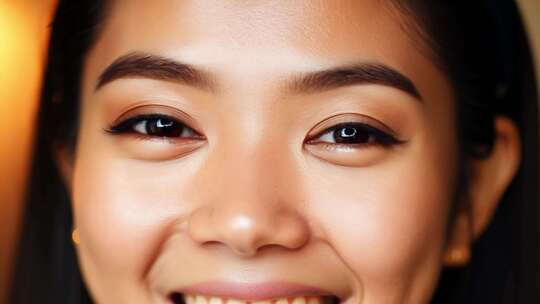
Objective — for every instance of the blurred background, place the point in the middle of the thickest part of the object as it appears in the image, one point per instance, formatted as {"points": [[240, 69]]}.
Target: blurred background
{"points": [[23, 38]]}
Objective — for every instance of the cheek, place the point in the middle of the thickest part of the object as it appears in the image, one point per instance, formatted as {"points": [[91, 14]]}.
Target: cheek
{"points": [[114, 222], [387, 222], [122, 208]]}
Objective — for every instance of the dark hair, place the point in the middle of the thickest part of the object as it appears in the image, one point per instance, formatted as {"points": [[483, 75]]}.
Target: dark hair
{"points": [[480, 45], [482, 48]]}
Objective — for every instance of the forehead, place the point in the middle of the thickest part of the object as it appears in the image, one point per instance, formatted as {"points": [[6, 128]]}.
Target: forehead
{"points": [[264, 37]]}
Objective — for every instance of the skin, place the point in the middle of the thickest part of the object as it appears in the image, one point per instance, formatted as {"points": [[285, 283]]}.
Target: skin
{"points": [[251, 201]]}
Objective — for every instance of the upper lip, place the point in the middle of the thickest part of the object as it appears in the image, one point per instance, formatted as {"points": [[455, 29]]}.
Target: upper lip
{"points": [[253, 291]]}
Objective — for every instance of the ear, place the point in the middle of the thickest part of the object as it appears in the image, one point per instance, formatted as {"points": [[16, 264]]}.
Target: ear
{"points": [[489, 179], [63, 158]]}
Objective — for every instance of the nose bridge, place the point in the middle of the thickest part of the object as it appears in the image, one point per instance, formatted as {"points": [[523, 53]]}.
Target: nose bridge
{"points": [[248, 189], [247, 206], [249, 163]]}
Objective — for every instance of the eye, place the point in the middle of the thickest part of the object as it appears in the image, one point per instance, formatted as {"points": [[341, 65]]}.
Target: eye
{"points": [[354, 134], [154, 125]]}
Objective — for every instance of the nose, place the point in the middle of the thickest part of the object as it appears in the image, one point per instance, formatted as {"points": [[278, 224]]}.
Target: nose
{"points": [[255, 206], [246, 230]]}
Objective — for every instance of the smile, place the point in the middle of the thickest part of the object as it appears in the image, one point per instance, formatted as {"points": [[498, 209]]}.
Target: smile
{"points": [[179, 298], [270, 292]]}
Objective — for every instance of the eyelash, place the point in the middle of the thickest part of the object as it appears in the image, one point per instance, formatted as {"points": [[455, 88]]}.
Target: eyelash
{"points": [[370, 135], [128, 126]]}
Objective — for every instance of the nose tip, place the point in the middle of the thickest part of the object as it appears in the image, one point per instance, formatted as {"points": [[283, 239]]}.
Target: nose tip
{"points": [[247, 242], [245, 233]]}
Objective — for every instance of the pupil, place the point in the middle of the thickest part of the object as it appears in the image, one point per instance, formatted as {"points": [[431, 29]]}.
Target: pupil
{"points": [[163, 127], [350, 135]]}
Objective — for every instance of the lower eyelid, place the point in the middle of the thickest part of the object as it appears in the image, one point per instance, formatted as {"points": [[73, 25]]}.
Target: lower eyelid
{"points": [[341, 147], [166, 140]]}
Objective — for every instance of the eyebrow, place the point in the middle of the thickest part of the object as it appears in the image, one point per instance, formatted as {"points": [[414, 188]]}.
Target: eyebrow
{"points": [[142, 65], [364, 73]]}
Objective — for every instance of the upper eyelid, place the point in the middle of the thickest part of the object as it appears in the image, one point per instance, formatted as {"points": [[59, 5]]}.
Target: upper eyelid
{"points": [[363, 125], [322, 132], [352, 118], [157, 110], [141, 117], [345, 119], [152, 108]]}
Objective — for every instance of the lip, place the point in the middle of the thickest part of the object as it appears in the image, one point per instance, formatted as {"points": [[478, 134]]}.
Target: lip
{"points": [[253, 291]]}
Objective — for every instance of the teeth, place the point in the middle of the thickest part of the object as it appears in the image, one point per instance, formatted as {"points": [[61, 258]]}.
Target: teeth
{"points": [[299, 300], [200, 299], [215, 300], [189, 299]]}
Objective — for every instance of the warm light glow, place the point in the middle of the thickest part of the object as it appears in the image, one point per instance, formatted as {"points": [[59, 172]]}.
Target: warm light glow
{"points": [[23, 34], [75, 237], [18, 42]]}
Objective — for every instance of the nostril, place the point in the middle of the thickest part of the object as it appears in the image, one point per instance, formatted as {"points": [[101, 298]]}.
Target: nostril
{"points": [[176, 298]]}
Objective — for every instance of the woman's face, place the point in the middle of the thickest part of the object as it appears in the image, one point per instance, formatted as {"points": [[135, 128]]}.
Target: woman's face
{"points": [[261, 150]]}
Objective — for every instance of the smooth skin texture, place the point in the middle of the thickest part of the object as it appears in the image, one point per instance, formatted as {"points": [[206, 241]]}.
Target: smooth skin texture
{"points": [[250, 198]]}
